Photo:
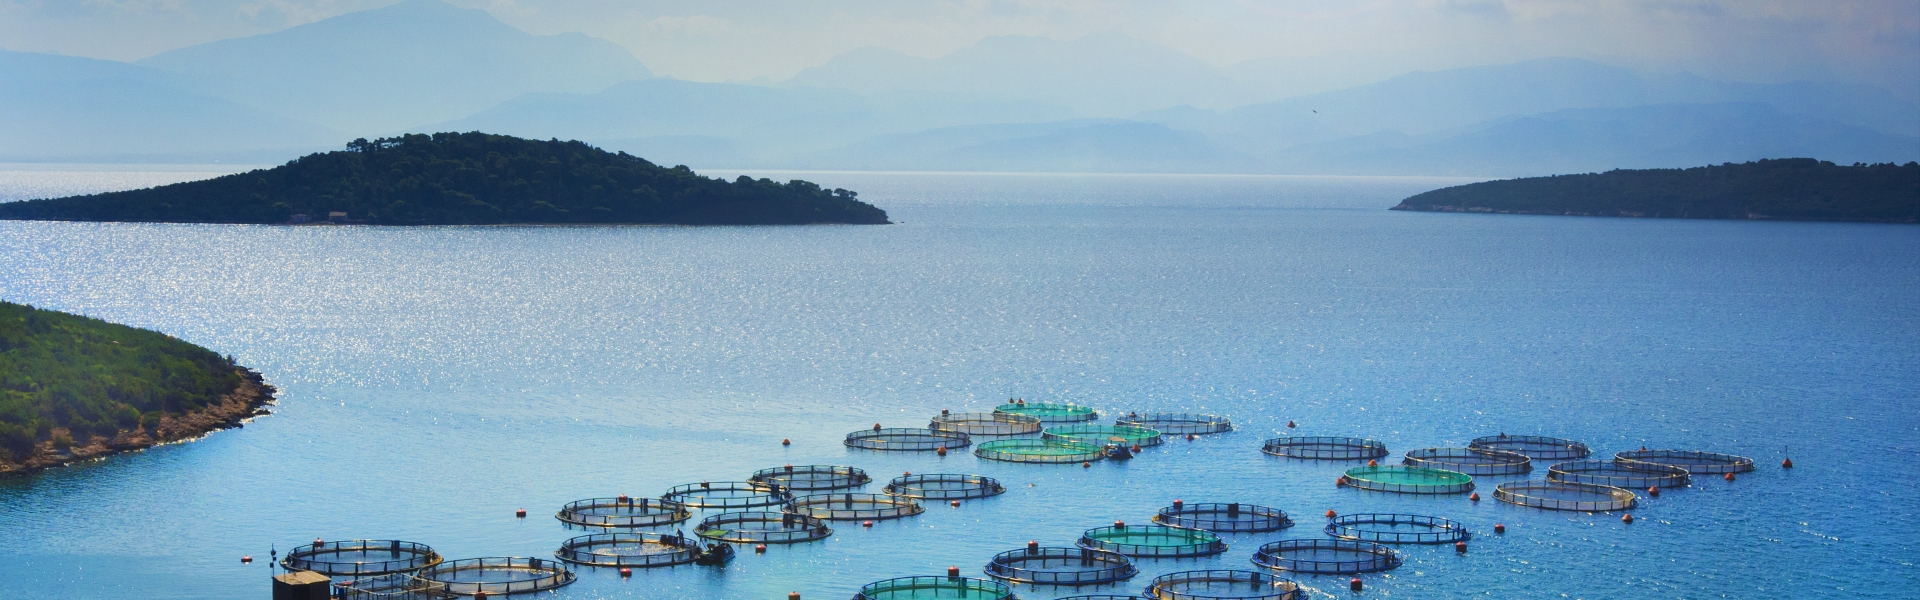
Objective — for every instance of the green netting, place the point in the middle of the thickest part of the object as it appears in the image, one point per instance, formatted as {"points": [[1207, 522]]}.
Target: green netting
{"points": [[1100, 435], [1039, 451], [1408, 480], [1153, 541], [915, 588], [1049, 412]]}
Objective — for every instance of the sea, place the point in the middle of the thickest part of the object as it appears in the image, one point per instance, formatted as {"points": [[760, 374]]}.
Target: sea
{"points": [[435, 380]]}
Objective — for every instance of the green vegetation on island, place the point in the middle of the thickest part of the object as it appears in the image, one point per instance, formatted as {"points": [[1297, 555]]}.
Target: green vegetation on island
{"points": [[74, 387], [466, 179], [1791, 189]]}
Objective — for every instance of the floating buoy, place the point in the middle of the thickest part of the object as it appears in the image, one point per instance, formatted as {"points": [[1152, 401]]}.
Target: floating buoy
{"points": [[866, 523], [786, 441], [1033, 546], [1729, 477], [1474, 497], [1786, 464], [760, 549], [1654, 491], [1177, 504], [1626, 518], [1290, 426], [944, 411], [1190, 437], [626, 572], [793, 595], [1459, 546], [876, 426], [520, 514], [942, 451], [1499, 528], [1086, 465], [1136, 448], [1119, 524], [317, 542], [1330, 513], [246, 560], [1373, 463], [480, 595], [953, 571], [1355, 584], [1339, 481], [956, 504], [906, 472]]}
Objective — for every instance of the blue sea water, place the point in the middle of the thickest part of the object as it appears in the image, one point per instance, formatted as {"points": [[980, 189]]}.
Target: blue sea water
{"points": [[433, 380]]}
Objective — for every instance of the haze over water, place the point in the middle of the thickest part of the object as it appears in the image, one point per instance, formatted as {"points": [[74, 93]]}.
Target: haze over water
{"points": [[435, 379]]}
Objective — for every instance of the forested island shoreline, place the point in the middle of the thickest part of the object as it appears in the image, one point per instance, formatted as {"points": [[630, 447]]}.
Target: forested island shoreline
{"points": [[74, 388], [1794, 189]]}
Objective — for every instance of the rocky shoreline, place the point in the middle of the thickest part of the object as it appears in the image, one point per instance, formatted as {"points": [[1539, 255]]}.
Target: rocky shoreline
{"points": [[233, 410]]}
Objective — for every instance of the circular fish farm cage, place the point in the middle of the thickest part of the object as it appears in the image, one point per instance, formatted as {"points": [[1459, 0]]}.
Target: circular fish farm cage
{"points": [[1325, 448], [762, 527], [952, 586], [504, 575], [623, 511], [985, 424], [1554, 495], [1100, 435], [1388, 528], [1177, 423], [629, 550], [1039, 451], [1408, 480], [1470, 461], [1537, 447], [907, 439], [360, 558], [392, 586], [854, 507], [1221, 584], [1227, 517], [1326, 556], [1060, 566], [944, 486], [1694, 461], [727, 495], [812, 477], [1153, 541], [1049, 412], [1633, 475], [1099, 597]]}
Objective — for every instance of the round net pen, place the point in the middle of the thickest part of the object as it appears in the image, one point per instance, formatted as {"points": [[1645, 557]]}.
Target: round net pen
{"points": [[360, 558], [504, 575], [944, 486], [393, 586], [1039, 451], [812, 477], [1537, 447], [951, 586], [1060, 566], [985, 424], [1221, 584], [1228, 517], [854, 507], [1048, 412], [622, 511], [1326, 556], [1388, 528], [1100, 435], [1633, 475], [629, 550], [1694, 461], [903, 439], [1408, 480], [1099, 597], [1177, 423], [1554, 495], [1153, 541], [728, 495], [762, 527], [1470, 461], [1325, 448]]}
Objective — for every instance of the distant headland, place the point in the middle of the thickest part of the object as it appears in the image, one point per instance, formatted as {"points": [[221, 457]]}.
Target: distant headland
{"points": [[74, 388], [465, 179], [1791, 189]]}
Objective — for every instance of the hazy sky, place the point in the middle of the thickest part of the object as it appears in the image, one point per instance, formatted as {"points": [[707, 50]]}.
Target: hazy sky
{"points": [[1331, 42]]}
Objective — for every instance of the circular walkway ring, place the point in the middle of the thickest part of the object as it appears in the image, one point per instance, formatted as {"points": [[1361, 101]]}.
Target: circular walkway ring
{"points": [[1049, 412], [497, 575], [727, 495], [1408, 480], [1470, 461], [1060, 566], [1224, 517], [1039, 451], [854, 507], [1390, 528], [762, 527], [626, 511], [1632, 474], [908, 588], [392, 586], [1153, 541], [1326, 556], [1178, 423], [812, 477], [625, 549], [360, 558], [907, 439], [1222, 584], [1537, 447], [1325, 448], [1554, 495], [944, 486], [985, 424], [1696, 462], [1101, 435]]}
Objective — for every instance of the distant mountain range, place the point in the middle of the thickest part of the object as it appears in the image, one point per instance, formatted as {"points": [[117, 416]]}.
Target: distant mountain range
{"points": [[1101, 103]]}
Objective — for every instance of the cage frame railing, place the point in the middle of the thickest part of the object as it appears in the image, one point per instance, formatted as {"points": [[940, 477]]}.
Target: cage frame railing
{"points": [[1721, 463], [1086, 432], [1008, 566], [1383, 558], [556, 575], [764, 495], [1633, 474], [1178, 423], [420, 556], [1003, 450], [1158, 588], [986, 424], [1000, 590], [1487, 462], [391, 586], [839, 477], [1350, 480], [810, 529], [1301, 447], [1440, 530], [986, 487], [1549, 448], [1514, 492], [821, 506], [670, 512], [1208, 543], [1075, 413], [1192, 516], [685, 549], [907, 439]]}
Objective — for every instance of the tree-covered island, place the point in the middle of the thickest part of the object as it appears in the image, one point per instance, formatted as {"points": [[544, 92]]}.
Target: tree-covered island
{"points": [[465, 179], [73, 388], [1792, 189]]}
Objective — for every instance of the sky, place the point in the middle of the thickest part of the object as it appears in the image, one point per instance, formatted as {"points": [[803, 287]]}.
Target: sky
{"points": [[1322, 44]]}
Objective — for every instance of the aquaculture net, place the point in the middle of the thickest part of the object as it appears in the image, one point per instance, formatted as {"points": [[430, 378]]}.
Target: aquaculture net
{"points": [[1223, 517], [762, 527], [1101, 435], [1537, 447], [944, 486], [1221, 584], [1631, 474], [854, 507], [1326, 556], [1178, 423], [917, 588], [629, 550], [907, 439], [726, 495], [1060, 566], [1389, 528], [1694, 461], [1470, 461], [812, 477], [1325, 448], [1153, 541], [503, 575], [1554, 495], [985, 423], [622, 511], [1408, 480], [360, 558], [1039, 451], [1049, 412]]}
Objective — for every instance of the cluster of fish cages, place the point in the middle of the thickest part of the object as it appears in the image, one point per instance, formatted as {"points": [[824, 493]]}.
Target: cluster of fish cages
{"points": [[1049, 412], [1231, 517], [1031, 450], [1390, 528], [1408, 480], [944, 486], [622, 511], [1537, 447], [1178, 423], [641, 550], [360, 558], [1470, 461], [812, 477], [1325, 448], [1555, 495], [1621, 474], [1060, 566], [987, 423], [726, 495], [496, 575], [762, 527], [906, 439], [1222, 584], [1152, 541], [1326, 556]]}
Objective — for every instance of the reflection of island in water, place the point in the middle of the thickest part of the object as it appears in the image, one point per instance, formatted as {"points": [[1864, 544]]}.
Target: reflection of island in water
{"points": [[1793, 189], [465, 179], [73, 388]]}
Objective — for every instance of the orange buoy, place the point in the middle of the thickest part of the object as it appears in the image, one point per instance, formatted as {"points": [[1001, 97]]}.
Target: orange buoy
{"points": [[1086, 465], [1729, 477], [1354, 584], [944, 411], [876, 426], [1654, 491], [1459, 546], [1177, 504], [317, 542], [866, 523], [956, 504], [786, 441], [1190, 437], [626, 572], [1339, 481], [1033, 546], [246, 560], [1136, 448], [1290, 426], [1499, 528], [1330, 513], [953, 571], [1119, 524], [1786, 464], [760, 549], [1373, 463], [1626, 518], [793, 595], [520, 514], [906, 472], [480, 595], [942, 451], [1474, 497]]}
